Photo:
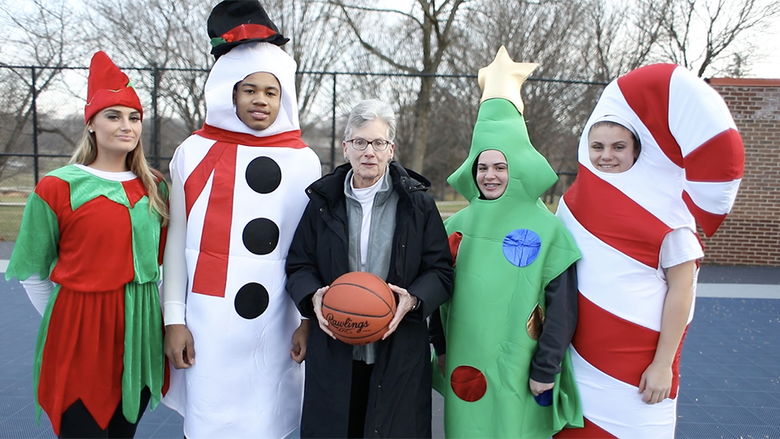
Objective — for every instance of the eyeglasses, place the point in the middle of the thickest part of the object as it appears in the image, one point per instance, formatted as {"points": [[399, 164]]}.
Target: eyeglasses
{"points": [[361, 144]]}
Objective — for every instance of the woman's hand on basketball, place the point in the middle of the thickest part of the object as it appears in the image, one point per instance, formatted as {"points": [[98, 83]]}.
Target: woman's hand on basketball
{"points": [[405, 304], [179, 346], [316, 301]]}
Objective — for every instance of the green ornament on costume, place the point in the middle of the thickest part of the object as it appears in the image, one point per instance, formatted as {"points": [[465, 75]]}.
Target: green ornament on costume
{"points": [[511, 248]]}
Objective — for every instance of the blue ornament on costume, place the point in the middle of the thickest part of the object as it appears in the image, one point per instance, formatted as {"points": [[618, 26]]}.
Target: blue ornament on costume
{"points": [[521, 247]]}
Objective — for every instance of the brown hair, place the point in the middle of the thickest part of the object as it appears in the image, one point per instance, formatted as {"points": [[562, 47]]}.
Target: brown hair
{"points": [[609, 123], [86, 153]]}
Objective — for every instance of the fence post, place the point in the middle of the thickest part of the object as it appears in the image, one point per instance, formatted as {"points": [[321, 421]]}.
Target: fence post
{"points": [[36, 170], [333, 127], [155, 118]]}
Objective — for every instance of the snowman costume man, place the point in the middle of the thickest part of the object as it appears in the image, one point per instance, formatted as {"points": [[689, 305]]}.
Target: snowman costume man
{"points": [[237, 197]]}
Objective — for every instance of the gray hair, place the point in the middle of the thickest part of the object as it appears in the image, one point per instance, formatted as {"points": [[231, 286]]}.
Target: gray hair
{"points": [[368, 110]]}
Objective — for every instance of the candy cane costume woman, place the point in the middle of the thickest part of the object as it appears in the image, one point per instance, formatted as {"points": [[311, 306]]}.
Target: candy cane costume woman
{"points": [[636, 229], [238, 194]]}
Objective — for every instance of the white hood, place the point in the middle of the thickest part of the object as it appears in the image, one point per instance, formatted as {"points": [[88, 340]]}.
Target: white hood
{"points": [[234, 66]]}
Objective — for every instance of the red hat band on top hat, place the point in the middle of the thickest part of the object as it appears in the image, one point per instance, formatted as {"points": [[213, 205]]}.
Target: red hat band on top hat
{"points": [[235, 22], [108, 86]]}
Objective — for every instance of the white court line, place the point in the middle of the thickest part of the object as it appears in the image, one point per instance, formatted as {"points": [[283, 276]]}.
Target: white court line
{"points": [[738, 291]]}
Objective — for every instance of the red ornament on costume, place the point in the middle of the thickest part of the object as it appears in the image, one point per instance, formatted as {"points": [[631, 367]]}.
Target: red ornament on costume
{"points": [[107, 86]]}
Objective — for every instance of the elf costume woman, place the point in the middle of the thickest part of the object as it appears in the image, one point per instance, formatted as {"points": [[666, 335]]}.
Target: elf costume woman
{"points": [[88, 255]]}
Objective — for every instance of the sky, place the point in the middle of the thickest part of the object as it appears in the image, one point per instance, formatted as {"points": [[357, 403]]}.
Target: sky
{"points": [[769, 67]]}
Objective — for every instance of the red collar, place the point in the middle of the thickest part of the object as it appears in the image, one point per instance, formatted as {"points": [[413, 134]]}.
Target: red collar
{"points": [[289, 139]]}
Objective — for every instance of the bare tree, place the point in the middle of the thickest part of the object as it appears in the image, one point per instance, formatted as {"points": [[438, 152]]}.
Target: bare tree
{"points": [[619, 36], [701, 34], [40, 33], [550, 33], [317, 43], [169, 38], [416, 45]]}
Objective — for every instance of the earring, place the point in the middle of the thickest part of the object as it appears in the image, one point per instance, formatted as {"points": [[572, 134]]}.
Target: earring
{"points": [[91, 131]]}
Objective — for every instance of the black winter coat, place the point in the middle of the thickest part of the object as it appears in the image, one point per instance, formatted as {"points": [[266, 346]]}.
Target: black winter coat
{"points": [[399, 401]]}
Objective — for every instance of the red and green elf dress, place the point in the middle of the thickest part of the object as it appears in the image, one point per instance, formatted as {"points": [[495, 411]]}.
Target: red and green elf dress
{"points": [[101, 337]]}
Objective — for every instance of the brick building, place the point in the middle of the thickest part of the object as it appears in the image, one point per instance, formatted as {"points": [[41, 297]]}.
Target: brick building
{"points": [[751, 233]]}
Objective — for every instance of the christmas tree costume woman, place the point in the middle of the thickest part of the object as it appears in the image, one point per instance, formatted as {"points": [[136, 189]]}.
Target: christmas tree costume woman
{"points": [[94, 228], [513, 264]]}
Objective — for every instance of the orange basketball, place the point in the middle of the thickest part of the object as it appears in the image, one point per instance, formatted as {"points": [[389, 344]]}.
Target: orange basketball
{"points": [[358, 307]]}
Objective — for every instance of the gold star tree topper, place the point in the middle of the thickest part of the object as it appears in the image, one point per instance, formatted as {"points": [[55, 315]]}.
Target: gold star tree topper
{"points": [[503, 78]]}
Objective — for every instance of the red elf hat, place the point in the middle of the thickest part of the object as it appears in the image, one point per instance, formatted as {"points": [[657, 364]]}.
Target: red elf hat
{"points": [[107, 86]]}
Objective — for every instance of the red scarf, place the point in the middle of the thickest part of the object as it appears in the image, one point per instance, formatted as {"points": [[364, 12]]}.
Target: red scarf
{"points": [[211, 269]]}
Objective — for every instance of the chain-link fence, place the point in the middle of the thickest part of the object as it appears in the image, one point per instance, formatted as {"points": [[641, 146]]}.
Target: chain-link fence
{"points": [[41, 120]]}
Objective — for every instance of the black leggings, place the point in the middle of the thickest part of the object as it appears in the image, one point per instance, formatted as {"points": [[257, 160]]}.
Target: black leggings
{"points": [[358, 401], [77, 422]]}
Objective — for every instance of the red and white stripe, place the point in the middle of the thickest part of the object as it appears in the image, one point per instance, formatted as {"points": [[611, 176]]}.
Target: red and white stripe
{"points": [[688, 173]]}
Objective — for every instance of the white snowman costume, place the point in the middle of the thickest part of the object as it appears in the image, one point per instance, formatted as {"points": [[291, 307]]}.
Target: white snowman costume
{"points": [[236, 200], [688, 172]]}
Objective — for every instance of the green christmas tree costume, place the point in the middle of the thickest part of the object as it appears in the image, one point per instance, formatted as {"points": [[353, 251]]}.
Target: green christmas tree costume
{"points": [[511, 248]]}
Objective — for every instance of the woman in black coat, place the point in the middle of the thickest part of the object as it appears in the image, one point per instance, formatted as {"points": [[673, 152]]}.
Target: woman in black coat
{"points": [[382, 389]]}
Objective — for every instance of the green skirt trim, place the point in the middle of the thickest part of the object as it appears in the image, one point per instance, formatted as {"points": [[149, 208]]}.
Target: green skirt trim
{"points": [[144, 359], [39, 344]]}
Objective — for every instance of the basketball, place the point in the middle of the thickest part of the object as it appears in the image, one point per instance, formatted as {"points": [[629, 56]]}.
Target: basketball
{"points": [[358, 307]]}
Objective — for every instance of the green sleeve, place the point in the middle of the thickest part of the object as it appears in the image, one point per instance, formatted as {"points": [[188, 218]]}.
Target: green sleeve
{"points": [[35, 250]]}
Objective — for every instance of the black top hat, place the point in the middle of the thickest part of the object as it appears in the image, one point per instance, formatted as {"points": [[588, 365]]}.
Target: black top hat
{"points": [[234, 22]]}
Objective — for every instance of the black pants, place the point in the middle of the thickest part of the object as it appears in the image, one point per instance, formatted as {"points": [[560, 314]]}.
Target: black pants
{"points": [[77, 422], [358, 400]]}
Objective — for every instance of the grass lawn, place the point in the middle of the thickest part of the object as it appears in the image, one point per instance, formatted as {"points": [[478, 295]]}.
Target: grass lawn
{"points": [[11, 208], [10, 219], [447, 208]]}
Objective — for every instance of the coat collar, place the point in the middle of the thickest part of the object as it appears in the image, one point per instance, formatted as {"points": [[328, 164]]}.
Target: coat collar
{"points": [[331, 186]]}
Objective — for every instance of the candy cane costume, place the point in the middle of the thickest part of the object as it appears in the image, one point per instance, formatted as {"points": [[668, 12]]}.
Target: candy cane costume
{"points": [[238, 198], [687, 173]]}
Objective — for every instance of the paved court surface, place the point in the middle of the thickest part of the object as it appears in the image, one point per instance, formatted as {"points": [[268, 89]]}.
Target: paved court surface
{"points": [[730, 383]]}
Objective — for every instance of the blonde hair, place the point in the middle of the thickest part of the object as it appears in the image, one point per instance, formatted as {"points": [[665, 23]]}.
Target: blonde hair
{"points": [[86, 153]]}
